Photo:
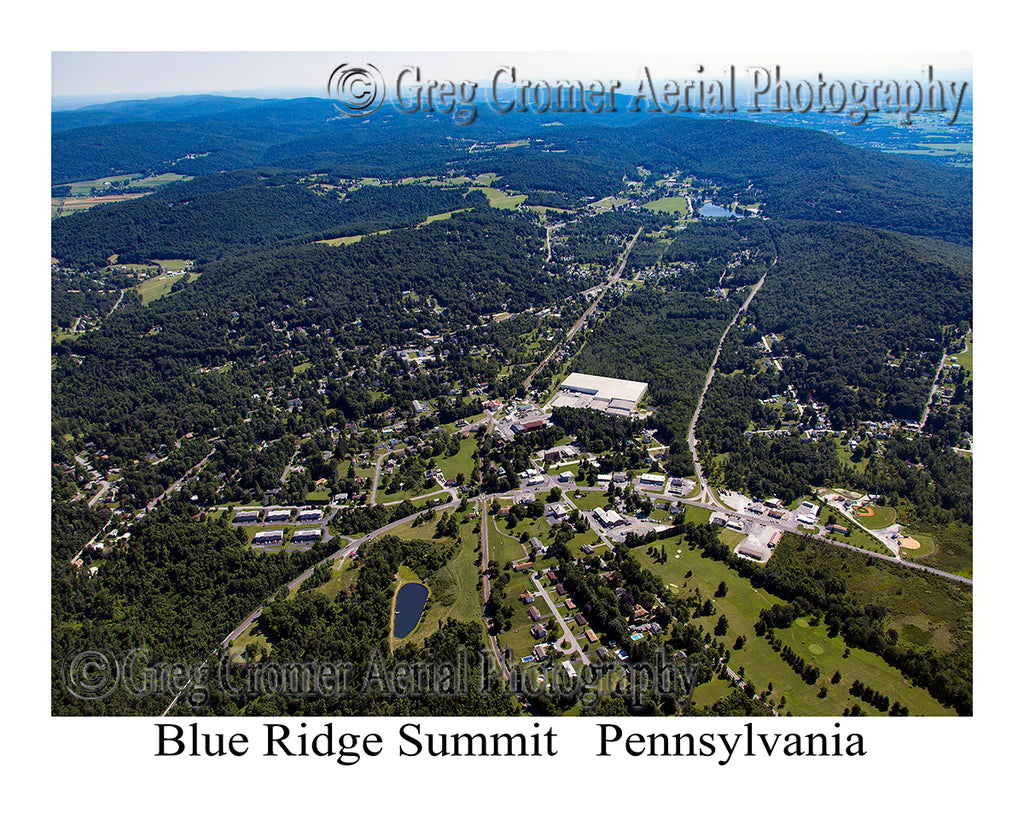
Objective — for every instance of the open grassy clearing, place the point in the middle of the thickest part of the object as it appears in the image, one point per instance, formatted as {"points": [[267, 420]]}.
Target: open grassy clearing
{"points": [[878, 517], [440, 217], [857, 537], [426, 493], [942, 607], [679, 205], [463, 461], [966, 358], [502, 200], [343, 575], [455, 591], [67, 206], [953, 548], [173, 265], [608, 203], [742, 605], [157, 287], [253, 637]]}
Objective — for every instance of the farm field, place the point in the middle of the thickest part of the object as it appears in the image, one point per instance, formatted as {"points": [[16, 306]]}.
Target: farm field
{"points": [[502, 200], [671, 204], [157, 287]]}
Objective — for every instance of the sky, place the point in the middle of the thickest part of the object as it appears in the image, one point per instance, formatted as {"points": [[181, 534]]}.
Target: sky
{"points": [[135, 74]]}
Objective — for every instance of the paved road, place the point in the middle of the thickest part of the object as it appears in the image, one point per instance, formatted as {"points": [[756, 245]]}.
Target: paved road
{"points": [[567, 635], [492, 636], [586, 313], [935, 389], [691, 436], [174, 487]]}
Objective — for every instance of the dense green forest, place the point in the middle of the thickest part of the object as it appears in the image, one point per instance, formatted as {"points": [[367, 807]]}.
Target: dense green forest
{"points": [[224, 222]]}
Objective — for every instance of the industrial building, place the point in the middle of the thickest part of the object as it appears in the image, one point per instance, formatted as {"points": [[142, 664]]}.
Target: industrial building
{"points": [[652, 480], [608, 518], [612, 395]]}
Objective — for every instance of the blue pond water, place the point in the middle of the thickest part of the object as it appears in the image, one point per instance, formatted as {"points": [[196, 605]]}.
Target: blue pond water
{"points": [[409, 608], [714, 211]]}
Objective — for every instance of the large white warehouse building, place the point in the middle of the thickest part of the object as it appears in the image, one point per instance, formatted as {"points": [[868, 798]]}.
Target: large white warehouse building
{"points": [[612, 395]]}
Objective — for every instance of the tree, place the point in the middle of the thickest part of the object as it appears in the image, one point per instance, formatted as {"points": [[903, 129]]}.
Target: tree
{"points": [[722, 626], [722, 590]]}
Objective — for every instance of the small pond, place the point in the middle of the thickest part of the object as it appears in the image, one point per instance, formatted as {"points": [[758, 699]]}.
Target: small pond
{"points": [[715, 212], [409, 603]]}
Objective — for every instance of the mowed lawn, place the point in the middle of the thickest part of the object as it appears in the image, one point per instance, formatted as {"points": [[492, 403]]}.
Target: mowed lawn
{"points": [[670, 204], [502, 200], [879, 518], [454, 591], [462, 461], [761, 665], [157, 287]]}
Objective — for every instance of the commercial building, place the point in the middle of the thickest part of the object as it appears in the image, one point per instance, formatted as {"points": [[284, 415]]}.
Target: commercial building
{"points": [[608, 518], [612, 395], [653, 481]]}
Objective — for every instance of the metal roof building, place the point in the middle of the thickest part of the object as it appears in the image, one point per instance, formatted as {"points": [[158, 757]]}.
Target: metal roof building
{"points": [[612, 395]]}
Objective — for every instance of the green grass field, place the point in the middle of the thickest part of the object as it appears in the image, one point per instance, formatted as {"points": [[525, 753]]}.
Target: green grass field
{"points": [[857, 537], [882, 517], [155, 288], [463, 461], [454, 593], [502, 200], [440, 217], [679, 205], [966, 358], [761, 665]]}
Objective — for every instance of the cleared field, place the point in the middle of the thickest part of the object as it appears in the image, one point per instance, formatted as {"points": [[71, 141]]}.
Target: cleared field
{"points": [[440, 217], [670, 204], [874, 517], [462, 461], [966, 358], [608, 203], [156, 288], [454, 591], [760, 664], [173, 265], [64, 207], [342, 576], [502, 200], [348, 240]]}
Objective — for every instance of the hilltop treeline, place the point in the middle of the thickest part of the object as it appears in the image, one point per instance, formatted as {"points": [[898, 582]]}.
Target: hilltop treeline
{"points": [[236, 219]]}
